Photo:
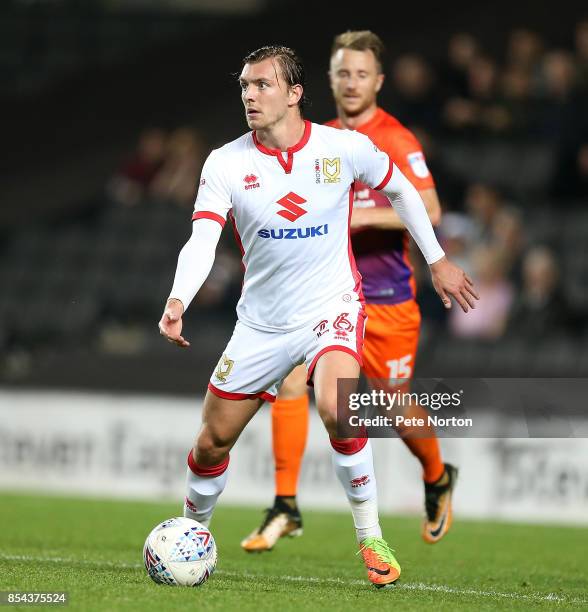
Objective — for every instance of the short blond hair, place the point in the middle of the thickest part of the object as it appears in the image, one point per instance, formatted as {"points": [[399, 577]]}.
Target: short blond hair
{"points": [[360, 40]]}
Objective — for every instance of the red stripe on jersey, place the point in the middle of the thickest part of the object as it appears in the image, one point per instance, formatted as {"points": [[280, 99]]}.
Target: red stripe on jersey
{"points": [[264, 395], [287, 165], [205, 214], [354, 271], [327, 349], [387, 177], [238, 239], [208, 471]]}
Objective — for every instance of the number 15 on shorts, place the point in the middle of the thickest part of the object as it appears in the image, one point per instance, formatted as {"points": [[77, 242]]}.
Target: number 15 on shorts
{"points": [[400, 368]]}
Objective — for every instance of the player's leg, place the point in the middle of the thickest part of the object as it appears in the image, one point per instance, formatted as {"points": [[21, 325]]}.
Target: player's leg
{"points": [[223, 420], [253, 364], [353, 464], [289, 433], [391, 342], [389, 354]]}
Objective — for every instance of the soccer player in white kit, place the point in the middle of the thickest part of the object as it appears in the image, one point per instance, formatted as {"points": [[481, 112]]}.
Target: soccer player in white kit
{"points": [[287, 188]]}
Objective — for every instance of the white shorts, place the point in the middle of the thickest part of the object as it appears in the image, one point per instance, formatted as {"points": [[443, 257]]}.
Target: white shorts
{"points": [[256, 362]]}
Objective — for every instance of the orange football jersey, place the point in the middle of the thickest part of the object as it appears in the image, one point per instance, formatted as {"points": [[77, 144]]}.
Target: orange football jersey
{"points": [[382, 255]]}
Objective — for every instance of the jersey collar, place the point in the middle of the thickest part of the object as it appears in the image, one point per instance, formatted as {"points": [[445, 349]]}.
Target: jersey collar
{"points": [[287, 165]]}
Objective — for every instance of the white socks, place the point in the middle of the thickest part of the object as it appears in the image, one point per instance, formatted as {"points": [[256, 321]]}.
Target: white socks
{"points": [[202, 492], [356, 474], [365, 518]]}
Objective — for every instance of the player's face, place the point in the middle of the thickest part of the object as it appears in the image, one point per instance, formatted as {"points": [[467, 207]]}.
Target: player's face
{"points": [[355, 80], [265, 94]]}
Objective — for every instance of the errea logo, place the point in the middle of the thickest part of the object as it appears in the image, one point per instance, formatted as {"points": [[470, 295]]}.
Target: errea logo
{"points": [[251, 181], [361, 481]]}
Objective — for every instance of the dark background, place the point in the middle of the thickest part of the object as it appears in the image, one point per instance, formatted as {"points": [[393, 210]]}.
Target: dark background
{"points": [[85, 268]]}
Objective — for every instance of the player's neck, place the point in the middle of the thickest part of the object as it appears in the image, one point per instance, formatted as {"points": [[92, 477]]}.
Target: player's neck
{"points": [[353, 122], [283, 135]]}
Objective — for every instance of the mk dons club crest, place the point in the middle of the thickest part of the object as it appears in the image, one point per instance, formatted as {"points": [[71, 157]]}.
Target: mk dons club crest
{"points": [[223, 369], [332, 169]]}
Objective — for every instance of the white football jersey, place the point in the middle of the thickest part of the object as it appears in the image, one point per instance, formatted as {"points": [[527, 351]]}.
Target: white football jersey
{"points": [[291, 213]]}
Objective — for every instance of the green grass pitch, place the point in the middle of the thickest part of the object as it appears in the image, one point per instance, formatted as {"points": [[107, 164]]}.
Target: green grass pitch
{"points": [[93, 550]]}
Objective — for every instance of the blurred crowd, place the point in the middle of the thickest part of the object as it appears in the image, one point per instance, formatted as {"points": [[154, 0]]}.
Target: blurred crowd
{"points": [[532, 92], [163, 166], [164, 169], [519, 282]]}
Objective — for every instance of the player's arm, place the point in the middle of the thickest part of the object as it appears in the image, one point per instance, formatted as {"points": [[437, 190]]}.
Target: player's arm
{"points": [[448, 279], [194, 264], [387, 218], [197, 256], [370, 165]]}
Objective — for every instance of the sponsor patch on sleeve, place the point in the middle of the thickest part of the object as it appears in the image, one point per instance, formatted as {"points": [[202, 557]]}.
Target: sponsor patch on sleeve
{"points": [[418, 164]]}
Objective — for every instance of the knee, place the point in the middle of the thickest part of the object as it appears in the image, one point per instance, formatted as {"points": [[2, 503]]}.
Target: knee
{"points": [[210, 449], [328, 412], [331, 426]]}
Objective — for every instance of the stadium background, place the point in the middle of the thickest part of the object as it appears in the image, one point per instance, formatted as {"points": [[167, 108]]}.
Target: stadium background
{"points": [[109, 109]]}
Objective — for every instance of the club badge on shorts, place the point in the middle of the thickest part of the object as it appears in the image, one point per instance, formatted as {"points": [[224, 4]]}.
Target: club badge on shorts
{"points": [[223, 369], [343, 326]]}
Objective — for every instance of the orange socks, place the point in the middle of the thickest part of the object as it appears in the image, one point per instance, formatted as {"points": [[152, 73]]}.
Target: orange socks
{"points": [[289, 430], [424, 445]]}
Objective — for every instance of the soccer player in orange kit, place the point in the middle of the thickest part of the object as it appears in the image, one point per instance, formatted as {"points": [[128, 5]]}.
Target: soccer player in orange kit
{"points": [[380, 245]]}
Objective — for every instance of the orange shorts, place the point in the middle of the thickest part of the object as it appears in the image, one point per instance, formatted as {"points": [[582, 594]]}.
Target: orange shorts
{"points": [[391, 339]]}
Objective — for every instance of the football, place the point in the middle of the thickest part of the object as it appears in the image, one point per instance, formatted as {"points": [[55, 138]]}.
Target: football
{"points": [[180, 552]]}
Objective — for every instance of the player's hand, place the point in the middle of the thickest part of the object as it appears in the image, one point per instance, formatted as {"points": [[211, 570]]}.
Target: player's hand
{"points": [[170, 326], [451, 280]]}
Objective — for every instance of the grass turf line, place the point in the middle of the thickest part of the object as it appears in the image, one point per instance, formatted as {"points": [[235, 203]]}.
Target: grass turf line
{"points": [[92, 549]]}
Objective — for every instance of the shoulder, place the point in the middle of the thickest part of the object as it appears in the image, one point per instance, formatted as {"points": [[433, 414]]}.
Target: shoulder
{"points": [[359, 141], [223, 158], [234, 147], [405, 151], [333, 123], [334, 140], [328, 132], [397, 136], [345, 137]]}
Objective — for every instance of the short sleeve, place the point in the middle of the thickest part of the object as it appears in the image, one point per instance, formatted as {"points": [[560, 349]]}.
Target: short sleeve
{"points": [[370, 165], [406, 152], [214, 195]]}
